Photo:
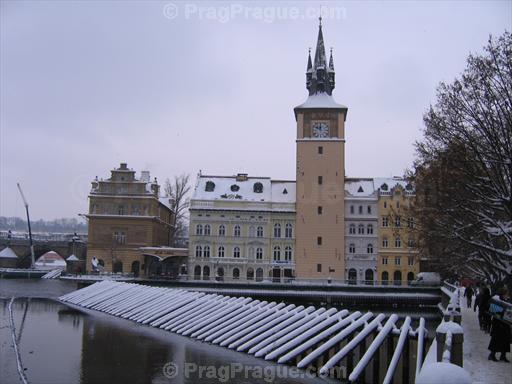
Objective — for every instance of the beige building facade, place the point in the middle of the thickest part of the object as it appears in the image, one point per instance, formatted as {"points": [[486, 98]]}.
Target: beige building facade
{"points": [[125, 214]]}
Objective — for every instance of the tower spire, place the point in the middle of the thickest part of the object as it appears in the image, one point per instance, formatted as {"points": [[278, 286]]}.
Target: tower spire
{"points": [[320, 76]]}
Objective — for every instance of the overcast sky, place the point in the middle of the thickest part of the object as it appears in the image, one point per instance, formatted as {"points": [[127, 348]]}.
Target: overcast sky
{"points": [[173, 88]]}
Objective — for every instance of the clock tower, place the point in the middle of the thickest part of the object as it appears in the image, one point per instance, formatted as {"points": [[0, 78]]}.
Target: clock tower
{"points": [[320, 245]]}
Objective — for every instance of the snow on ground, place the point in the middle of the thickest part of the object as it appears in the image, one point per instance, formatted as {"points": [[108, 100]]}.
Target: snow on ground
{"points": [[476, 353]]}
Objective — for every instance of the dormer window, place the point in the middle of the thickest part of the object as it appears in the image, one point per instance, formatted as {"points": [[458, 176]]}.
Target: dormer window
{"points": [[384, 187], [285, 192], [408, 187], [235, 188], [360, 189], [210, 186], [257, 188]]}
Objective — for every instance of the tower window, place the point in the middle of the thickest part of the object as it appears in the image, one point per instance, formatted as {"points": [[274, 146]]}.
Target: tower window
{"points": [[257, 188], [320, 150], [320, 180], [319, 240], [210, 186]]}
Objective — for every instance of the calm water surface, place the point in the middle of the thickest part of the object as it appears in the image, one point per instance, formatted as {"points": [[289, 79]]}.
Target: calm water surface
{"points": [[60, 344]]}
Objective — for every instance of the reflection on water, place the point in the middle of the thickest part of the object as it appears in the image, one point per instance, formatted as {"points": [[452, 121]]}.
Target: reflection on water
{"points": [[60, 344]]}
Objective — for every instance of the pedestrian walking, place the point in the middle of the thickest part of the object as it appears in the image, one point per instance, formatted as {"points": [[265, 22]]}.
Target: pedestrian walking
{"points": [[468, 294], [484, 318], [500, 331]]}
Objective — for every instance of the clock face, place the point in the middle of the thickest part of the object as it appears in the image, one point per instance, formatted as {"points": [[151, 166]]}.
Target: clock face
{"points": [[320, 129]]}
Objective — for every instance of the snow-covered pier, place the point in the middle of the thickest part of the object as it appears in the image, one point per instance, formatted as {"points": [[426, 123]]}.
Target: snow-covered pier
{"points": [[362, 347]]}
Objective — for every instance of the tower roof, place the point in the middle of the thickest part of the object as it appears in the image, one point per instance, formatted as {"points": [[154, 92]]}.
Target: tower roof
{"points": [[319, 75]]}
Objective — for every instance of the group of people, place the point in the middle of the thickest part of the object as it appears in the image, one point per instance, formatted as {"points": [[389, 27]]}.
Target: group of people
{"points": [[490, 318]]}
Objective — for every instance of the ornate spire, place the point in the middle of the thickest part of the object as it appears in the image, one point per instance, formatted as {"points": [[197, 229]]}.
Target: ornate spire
{"points": [[320, 77], [310, 66]]}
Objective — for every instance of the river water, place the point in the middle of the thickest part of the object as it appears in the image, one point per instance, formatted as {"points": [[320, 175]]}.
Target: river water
{"points": [[59, 344]]}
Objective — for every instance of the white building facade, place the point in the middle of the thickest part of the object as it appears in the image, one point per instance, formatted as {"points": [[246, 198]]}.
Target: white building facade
{"points": [[361, 231], [242, 228]]}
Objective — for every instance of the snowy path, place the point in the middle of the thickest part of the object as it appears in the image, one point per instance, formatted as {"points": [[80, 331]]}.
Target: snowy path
{"points": [[476, 352]]}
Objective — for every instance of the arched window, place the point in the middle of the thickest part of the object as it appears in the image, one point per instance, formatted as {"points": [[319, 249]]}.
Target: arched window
{"points": [[360, 209], [277, 230], [288, 231], [118, 267], [352, 276], [222, 230], [398, 242], [385, 242], [199, 229], [206, 272], [250, 274], [368, 276], [220, 251], [220, 274], [259, 232], [385, 278], [259, 253], [410, 277], [257, 188], [206, 251], [197, 272], [397, 278], [259, 274], [360, 229], [352, 248], [369, 209], [352, 229], [199, 251], [236, 273], [236, 252], [277, 253], [369, 229], [252, 231], [207, 229], [369, 248], [236, 231], [210, 186], [288, 253]]}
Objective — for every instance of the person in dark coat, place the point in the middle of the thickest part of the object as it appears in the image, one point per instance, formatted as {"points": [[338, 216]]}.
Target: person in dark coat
{"points": [[484, 319], [500, 331], [468, 294]]}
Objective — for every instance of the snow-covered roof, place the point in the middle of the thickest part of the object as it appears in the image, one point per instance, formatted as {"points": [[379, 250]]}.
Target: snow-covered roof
{"points": [[390, 182], [254, 189], [72, 258], [359, 187], [320, 100], [8, 253], [165, 201]]}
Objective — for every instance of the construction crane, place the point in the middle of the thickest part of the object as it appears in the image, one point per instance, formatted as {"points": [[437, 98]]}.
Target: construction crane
{"points": [[32, 255]]}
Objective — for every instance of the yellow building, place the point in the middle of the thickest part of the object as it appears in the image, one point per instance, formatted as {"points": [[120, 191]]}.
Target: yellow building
{"points": [[125, 215], [398, 260]]}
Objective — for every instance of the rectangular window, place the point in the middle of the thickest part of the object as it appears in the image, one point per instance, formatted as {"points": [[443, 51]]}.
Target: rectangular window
{"points": [[384, 261], [319, 267], [319, 210], [397, 261], [320, 150], [385, 221], [320, 180], [319, 240], [411, 261]]}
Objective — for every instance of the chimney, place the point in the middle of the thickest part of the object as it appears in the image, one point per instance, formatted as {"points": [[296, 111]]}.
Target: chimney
{"points": [[144, 176]]}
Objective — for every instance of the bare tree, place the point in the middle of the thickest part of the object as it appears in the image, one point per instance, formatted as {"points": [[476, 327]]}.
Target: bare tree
{"points": [[178, 190], [463, 171]]}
